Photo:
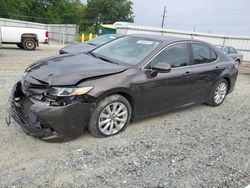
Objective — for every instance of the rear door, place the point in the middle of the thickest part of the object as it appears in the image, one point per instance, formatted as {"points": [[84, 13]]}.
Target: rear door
{"points": [[205, 69]]}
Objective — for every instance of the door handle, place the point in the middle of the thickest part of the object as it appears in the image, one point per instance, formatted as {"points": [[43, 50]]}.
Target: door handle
{"points": [[218, 67], [187, 73]]}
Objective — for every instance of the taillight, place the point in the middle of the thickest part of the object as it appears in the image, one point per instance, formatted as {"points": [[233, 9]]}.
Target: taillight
{"points": [[47, 34]]}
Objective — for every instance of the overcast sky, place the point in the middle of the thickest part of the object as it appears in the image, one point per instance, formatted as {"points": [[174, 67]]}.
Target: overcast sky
{"points": [[216, 16]]}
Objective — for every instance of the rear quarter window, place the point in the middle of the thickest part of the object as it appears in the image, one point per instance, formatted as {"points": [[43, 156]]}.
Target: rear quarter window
{"points": [[213, 55], [202, 54]]}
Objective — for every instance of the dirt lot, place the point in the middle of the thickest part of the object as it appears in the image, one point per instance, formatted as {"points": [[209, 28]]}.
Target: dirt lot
{"points": [[198, 146]]}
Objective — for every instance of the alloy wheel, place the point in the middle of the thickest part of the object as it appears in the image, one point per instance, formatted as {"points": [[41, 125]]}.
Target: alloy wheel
{"points": [[113, 118], [220, 93]]}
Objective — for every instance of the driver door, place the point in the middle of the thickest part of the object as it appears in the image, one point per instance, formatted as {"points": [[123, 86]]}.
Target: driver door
{"points": [[164, 91]]}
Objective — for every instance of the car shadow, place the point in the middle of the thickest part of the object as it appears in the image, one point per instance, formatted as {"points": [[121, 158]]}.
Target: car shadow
{"points": [[18, 49], [141, 121], [165, 114], [10, 48]]}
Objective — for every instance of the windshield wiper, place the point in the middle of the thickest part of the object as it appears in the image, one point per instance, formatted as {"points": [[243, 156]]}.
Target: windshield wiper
{"points": [[91, 44], [102, 58], [93, 54], [107, 60]]}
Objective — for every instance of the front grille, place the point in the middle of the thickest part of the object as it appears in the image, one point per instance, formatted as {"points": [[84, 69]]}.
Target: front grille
{"points": [[21, 113], [16, 114], [20, 110]]}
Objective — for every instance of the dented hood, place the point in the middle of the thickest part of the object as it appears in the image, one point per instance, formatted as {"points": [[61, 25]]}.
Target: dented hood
{"points": [[71, 69]]}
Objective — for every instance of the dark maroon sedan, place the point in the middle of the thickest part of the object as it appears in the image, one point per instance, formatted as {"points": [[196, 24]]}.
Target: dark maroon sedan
{"points": [[129, 78]]}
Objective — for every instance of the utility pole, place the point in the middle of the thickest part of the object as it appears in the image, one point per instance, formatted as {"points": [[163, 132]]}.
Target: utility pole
{"points": [[194, 28], [163, 17]]}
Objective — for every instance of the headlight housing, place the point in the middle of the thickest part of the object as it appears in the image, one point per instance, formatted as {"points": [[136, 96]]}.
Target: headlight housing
{"points": [[67, 92]]}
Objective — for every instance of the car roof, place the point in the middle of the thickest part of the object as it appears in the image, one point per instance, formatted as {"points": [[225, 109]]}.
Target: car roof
{"points": [[165, 38], [224, 46]]}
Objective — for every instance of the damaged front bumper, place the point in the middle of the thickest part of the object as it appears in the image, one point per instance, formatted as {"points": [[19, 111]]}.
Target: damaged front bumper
{"points": [[49, 123]]}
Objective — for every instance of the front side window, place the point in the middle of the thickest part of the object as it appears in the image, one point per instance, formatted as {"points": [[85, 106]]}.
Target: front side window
{"points": [[202, 54], [176, 55], [129, 50]]}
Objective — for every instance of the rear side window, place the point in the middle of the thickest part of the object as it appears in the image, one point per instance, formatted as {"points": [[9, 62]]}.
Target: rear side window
{"points": [[176, 55], [202, 54], [232, 50]]}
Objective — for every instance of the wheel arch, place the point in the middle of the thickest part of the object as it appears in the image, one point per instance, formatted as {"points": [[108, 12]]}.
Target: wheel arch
{"points": [[228, 81], [29, 35], [120, 91]]}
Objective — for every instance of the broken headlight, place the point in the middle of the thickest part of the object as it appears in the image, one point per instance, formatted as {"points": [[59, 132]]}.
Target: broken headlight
{"points": [[67, 92]]}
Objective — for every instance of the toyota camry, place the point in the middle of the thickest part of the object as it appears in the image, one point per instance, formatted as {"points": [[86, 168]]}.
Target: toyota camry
{"points": [[101, 91]]}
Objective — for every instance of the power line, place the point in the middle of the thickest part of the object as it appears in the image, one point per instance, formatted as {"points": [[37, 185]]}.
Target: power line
{"points": [[210, 24], [214, 9], [223, 12]]}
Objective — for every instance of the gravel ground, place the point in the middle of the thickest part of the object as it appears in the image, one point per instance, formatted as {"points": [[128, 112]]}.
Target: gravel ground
{"points": [[199, 146]]}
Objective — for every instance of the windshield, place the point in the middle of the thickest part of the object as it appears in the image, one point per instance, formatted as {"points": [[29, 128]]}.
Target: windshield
{"points": [[102, 40], [130, 49]]}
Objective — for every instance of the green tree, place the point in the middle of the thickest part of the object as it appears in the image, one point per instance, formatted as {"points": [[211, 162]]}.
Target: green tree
{"points": [[44, 11], [14, 9], [88, 17], [109, 11]]}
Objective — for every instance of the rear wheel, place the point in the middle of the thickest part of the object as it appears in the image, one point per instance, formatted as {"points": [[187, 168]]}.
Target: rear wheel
{"points": [[238, 61], [29, 44], [110, 117], [219, 93]]}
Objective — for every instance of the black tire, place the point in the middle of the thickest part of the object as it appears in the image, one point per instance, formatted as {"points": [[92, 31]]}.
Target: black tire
{"points": [[93, 126], [29, 44], [20, 45], [212, 101]]}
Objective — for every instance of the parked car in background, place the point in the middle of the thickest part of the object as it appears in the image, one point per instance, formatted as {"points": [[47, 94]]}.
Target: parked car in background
{"points": [[89, 45], [232, 52], [129, 78], [25, 38]]}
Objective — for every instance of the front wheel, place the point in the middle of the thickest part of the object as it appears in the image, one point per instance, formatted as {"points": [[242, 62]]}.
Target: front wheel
{"points": [[110, 117], [219, 93]]}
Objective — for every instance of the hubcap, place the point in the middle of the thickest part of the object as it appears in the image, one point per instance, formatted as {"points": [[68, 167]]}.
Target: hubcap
{"points": [[113, 118], [220, 93], [30, 45]]}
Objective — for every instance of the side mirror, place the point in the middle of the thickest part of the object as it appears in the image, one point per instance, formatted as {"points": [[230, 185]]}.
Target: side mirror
{"points": [[162, 67]]}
